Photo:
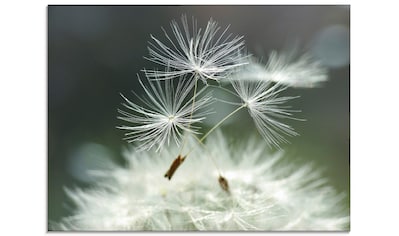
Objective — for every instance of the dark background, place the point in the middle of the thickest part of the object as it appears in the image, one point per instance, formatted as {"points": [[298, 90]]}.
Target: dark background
{"points": [[95, 52]]}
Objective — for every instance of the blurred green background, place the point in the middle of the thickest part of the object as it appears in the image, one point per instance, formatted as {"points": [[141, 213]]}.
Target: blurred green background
{"points": [[95, 52]]}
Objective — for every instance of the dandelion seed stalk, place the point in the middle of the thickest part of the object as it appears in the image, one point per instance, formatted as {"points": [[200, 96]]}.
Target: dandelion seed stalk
{"points": [[174, 167], [216, 126], [191, 114], [221, 122]]}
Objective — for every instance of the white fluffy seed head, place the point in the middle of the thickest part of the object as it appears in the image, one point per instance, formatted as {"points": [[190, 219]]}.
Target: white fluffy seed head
{"points": [[288, 68], [267, 193], [166, 112], [266, 108], [197, 53]]}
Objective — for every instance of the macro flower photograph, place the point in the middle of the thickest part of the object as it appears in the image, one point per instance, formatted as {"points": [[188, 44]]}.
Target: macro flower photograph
{"points": [[198, 118]]}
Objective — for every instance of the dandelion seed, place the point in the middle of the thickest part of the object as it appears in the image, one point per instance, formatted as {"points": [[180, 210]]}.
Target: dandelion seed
{"points": [[266, 193], [175, 164], [224, 184], [265, 107], [202, 55], [287, 68], [166, 113]]}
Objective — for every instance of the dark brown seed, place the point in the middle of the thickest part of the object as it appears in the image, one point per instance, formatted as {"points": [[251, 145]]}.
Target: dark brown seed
{"points": [[175, 164], [224, 184]]}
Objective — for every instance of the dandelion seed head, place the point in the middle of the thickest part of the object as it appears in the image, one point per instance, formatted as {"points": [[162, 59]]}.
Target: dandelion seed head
{"points": [[167, 111], [266, 107], [200, 54], [288, 68], [171, 118], [296, 70], [266, 193]]}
